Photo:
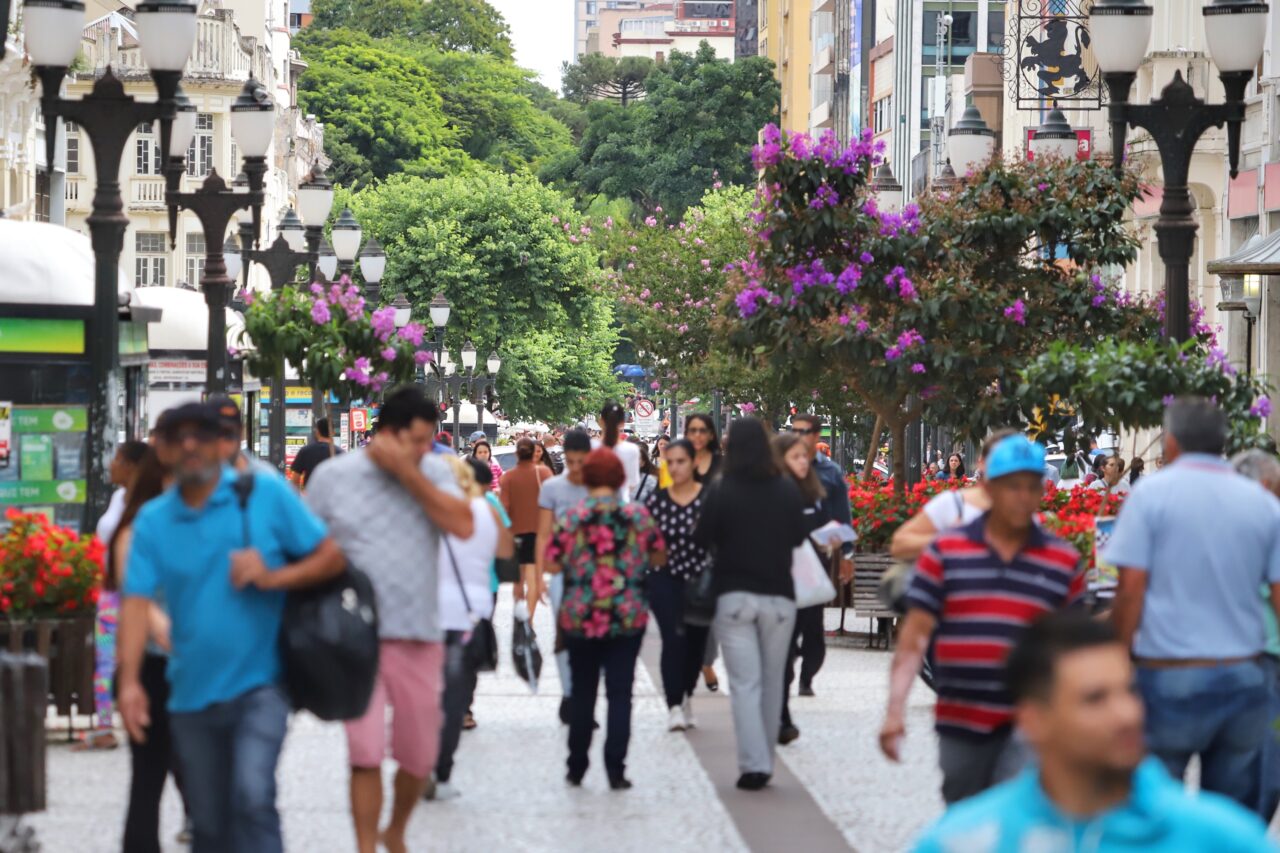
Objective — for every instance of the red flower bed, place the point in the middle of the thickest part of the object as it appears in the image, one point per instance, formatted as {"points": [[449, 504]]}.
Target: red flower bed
{"points": [[878, 512], [46, 570]]}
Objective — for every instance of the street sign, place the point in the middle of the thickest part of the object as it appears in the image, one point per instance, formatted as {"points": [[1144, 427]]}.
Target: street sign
{"points": [[647, 421], [1084, 143], [176, 372], [359, 420]]}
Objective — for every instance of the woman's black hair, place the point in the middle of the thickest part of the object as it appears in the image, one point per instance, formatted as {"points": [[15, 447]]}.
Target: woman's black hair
{"points": [[961, 473], [713, 444], [484, 474], [750, 454], [613, 416], [646, 463], [682, 444], [476, 444], [148, 482]]}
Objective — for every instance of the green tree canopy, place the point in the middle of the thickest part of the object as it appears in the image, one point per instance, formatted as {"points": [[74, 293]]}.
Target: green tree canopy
{"points": [[697, 121], [471, 26], [516, 263], [597, 77], [393, 106]]}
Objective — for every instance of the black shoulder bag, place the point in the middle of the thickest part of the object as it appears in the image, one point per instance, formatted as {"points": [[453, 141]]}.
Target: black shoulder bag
{"points": [[481, 646], [328, 638]]}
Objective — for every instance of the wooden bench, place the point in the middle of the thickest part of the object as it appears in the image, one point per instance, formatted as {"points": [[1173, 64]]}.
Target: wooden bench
{"points": [[68, 645], [869, 569]]}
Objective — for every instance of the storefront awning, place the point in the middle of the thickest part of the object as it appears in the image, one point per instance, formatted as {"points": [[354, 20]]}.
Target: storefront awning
{"points": [[1256, 257]]}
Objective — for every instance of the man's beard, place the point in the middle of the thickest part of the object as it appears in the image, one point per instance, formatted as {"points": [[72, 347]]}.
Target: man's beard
{"points": [[199, 477]]}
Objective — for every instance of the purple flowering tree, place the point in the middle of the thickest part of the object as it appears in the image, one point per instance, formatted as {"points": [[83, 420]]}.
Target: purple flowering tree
{"points": [[336, 346], [931, 311]]}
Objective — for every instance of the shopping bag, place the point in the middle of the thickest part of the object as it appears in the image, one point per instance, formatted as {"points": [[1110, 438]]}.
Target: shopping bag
{"points": [[524, 648], [812, 583]]}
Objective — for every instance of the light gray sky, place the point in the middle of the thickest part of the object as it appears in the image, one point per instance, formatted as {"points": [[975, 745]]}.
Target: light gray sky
{"points": [[543, 34]]}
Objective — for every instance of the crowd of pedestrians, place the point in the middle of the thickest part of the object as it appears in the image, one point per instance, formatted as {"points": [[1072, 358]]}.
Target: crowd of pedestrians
{"points": [[1052, 721]]}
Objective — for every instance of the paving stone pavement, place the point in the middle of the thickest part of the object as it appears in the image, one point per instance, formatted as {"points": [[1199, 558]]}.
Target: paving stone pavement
{"points": [[510, 772]]}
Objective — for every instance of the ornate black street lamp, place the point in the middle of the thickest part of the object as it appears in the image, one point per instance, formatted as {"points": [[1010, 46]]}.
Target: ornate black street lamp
{"points": [[885, 187], [1235, 31], [1055, 138], [439, 310], [52, 35], [215, 203]]}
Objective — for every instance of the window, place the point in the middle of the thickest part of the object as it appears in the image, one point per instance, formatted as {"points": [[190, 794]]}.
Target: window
{"points": [[146, 147], [961, 39], [235, 170], [200, 154], [592, 7], [882, 115], [151, 257], [73, 148], [995, 30], [195, 256]]}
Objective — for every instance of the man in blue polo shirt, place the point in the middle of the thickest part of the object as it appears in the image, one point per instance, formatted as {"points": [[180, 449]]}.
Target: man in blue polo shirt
{"points": [[980, 586], [1093, 789], [1194, 543], [221, 572]]}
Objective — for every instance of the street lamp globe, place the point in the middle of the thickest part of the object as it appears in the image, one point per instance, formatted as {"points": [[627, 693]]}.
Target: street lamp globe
{"points": [[315, 199], [494, 363], [1054, 138], [887, 190], [234, 260], [1121, 30], [439, 310], [292, 231], [449, 366], [971, 142], [184, 126], [52, 31], [166, 33], [253, 119], [346, 236], [1236, 31], [373, 261], [328, 262], [404, 311], [469, 356]]}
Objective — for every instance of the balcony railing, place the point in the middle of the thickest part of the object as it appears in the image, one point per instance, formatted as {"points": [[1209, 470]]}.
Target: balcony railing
{"points": [[78, 194], [146, 192]]}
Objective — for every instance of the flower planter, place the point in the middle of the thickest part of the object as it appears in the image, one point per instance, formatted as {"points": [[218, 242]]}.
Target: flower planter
{"points": [[67, 645]]}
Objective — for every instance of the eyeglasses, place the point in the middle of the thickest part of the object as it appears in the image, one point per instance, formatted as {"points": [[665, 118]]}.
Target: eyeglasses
{"points": [[697, 430], [805, 430]]}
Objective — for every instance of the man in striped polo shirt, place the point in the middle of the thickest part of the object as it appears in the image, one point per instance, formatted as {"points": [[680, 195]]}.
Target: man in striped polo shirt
{"points": [[980, 586]]}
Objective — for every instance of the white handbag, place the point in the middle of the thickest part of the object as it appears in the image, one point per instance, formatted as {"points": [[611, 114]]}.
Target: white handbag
{"points": [[812, 583]]}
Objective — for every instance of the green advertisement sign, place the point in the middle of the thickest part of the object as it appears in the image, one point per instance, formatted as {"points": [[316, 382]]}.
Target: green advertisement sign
{"points": [[35, 335], [51, 419], [23, 493], [36, 457]]}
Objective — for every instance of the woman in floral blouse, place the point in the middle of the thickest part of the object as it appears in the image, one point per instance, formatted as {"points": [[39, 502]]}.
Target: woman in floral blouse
{"points": [[605, 550]]}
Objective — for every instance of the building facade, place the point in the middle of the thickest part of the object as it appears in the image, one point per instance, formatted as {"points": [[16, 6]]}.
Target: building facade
{"points": [[231, 44], [30, 188]]}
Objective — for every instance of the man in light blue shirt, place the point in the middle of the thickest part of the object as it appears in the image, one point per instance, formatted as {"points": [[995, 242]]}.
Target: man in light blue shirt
{"points": [[1091, 787], [1193, 544], [221, 570]]}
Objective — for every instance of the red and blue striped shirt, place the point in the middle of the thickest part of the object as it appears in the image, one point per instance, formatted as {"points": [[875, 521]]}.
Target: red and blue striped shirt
{"points": [[983, 605]]}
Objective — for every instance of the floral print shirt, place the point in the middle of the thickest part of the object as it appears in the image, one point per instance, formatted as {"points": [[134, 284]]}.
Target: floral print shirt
{"points": [[603, 549]]}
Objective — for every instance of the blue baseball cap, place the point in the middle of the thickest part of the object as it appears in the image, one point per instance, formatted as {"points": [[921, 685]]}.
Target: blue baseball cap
{"points": [[1014, 455]]}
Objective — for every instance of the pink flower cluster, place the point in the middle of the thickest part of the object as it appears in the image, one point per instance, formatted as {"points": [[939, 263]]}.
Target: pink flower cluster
{"points": [[897, 277], [342, 294], [858, 156], [908, 339], [1017, 312], [826, 196]]}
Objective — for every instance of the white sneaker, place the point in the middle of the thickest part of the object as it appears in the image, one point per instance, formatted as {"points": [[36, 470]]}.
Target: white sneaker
{"points": [[446, 791], [675, 720], [686, 710]]}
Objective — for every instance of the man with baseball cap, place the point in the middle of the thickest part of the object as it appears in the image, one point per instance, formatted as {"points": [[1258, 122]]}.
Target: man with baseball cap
{"points": [[220, 561], [980, 587]]}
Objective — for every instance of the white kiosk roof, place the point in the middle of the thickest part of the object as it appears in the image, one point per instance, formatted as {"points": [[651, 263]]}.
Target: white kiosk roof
{"points": [[184, 326], [44, 264]]}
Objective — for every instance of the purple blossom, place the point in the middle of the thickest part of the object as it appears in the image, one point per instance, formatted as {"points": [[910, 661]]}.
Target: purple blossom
{"points": [[844, 319], [317, 289], [748, 301], [826, 196], [862, 326], [248, 297], [849, 279], [866, 258], [384, 322], [413, 333], [650, 221], [654, 386], [422, 357], [917, 368], [389, 354], [1262, 408], [747, 408], [1017, 312], [1218, 358], [320, 313], [357, 375], [1042, 187]]}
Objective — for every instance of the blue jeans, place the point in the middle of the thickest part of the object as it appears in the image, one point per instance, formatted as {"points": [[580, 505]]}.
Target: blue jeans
{"points": [[1270, 800], [1219, 712], [228, 754]]}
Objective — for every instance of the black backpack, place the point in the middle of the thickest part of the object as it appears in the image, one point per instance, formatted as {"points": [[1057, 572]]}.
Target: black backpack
{"points": [[328, 638]]}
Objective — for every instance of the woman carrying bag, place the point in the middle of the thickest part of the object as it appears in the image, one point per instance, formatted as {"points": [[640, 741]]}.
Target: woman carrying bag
{"points": [[466, 606], [754, 520], [676, 510]]}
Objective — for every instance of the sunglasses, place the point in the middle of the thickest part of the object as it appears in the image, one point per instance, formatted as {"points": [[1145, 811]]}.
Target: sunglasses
{"points": [[805, 430], [697, 431]]}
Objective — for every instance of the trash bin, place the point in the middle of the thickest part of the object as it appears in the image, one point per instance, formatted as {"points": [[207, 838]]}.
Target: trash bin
{"points": [[24, 692]]}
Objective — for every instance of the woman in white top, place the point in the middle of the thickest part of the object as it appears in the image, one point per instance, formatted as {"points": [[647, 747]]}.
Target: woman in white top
{"points": [[942, 512], [465, 597]]}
